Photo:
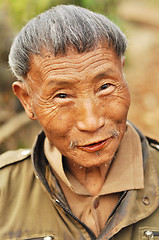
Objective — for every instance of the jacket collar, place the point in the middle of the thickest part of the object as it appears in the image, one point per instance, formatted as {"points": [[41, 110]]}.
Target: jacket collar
{"points": [[136, 204], [41, 165]]}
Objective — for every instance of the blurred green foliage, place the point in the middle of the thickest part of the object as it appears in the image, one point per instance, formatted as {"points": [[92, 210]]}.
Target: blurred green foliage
{"points": [[20, 11]]}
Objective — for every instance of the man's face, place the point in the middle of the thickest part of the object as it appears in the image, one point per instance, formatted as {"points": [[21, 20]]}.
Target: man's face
{"points": [[81, 101]]}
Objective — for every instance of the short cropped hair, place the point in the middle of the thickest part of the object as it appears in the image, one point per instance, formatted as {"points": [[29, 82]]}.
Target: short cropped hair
{"points": [[62, 27]]}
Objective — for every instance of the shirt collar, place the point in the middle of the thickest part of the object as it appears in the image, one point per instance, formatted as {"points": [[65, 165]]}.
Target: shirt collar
{"points": [[126, 171]]}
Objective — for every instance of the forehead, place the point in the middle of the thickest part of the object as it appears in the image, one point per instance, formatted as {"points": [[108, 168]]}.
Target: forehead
{"points": [[73, 63]]}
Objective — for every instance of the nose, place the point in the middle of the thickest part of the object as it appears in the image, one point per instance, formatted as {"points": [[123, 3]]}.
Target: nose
{"points": [[89, 116]]}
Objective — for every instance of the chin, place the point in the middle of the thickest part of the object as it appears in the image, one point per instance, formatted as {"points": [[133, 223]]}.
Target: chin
{"points": [[97, 159]]}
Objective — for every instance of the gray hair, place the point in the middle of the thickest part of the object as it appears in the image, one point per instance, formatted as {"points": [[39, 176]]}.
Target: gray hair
{"points": [[59, 28]]}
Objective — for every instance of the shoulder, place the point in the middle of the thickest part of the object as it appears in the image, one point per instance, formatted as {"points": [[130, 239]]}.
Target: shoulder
{"points": [[153, 148], [14, 166], [146, 141], [150, 147], [14, 156], [16, 175]]}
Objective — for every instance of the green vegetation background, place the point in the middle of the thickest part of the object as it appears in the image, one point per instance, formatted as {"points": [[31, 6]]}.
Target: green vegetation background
{"points": [[141, 28]]}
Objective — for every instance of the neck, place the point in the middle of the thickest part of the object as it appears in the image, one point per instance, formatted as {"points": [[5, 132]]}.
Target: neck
{"points": [[91, 178]]}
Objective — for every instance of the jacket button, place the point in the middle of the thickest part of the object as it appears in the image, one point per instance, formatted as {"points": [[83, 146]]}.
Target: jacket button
{"points": [[96, 203], [48, 238], [146, 200], [148, 234]]}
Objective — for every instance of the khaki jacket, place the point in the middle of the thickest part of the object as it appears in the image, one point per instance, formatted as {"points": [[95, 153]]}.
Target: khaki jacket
{"points": [[28, 210]]}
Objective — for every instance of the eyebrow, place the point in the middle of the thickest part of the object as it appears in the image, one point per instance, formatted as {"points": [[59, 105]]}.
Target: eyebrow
{"points": [[104, 74], [58, 82]]}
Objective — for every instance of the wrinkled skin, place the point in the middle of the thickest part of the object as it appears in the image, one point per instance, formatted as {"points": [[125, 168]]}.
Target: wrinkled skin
{"points": [[79, 99]]}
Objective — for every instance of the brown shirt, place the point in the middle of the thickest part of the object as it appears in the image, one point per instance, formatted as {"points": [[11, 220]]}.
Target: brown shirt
{"points": [[126, 173]]}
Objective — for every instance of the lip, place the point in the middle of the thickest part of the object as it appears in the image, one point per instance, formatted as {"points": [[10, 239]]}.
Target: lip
{"points": [[94, 147]]}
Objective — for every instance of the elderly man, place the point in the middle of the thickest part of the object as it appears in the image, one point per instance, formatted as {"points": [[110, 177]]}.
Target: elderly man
{"points": [[97, 175]]}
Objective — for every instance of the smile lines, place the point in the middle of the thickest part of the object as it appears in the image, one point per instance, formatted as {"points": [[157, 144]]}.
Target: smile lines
{"points": [[97, 145]]}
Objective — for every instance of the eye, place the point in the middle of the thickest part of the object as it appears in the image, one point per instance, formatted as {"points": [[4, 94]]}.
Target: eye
{"points": [[105, 86], [61, 95], [106, 89]]}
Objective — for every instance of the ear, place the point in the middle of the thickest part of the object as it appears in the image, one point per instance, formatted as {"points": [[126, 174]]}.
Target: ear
{"points": [[123, 61], [20, 90]]}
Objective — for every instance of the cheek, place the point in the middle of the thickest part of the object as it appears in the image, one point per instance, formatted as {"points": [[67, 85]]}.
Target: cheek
{"points": [[116, 107], [55, 121], [46, 115], [119, 111]]}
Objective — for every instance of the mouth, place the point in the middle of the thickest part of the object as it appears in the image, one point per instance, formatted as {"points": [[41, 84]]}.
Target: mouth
{"points": [[94, 147]]}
